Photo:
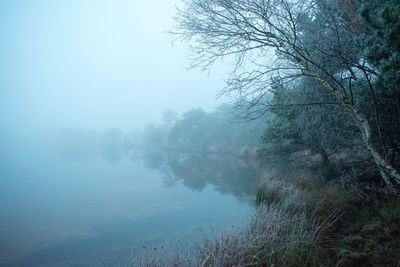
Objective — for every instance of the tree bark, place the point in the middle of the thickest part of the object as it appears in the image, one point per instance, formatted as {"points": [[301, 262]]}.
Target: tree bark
{"points": [[386, 170]]}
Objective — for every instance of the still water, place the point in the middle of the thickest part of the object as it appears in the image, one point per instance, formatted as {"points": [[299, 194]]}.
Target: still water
{"points": [[93, 211]]}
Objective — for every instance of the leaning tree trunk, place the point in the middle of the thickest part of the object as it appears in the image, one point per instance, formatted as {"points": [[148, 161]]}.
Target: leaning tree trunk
{"points": [[387, 171]]}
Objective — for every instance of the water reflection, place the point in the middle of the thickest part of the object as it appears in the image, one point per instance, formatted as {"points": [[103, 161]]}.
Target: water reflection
{"points": [[229, 171], [226, 172], [100, 203]]}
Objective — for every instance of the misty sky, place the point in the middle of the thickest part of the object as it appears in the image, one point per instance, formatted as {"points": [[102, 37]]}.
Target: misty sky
{"points": [[95, 64]]}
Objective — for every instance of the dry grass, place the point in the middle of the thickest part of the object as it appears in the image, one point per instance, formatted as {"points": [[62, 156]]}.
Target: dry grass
{"points": [[273, 238], [289, 228], [300, 222], [160, 256]]}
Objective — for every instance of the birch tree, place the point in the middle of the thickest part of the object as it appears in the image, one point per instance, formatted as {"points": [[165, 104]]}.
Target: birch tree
{"points": [[283, 40]]}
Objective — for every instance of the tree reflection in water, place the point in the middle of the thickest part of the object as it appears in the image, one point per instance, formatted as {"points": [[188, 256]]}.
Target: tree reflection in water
{"points": [[228, 173]]}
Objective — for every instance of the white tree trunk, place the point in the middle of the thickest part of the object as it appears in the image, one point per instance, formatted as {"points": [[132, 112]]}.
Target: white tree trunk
{"points": [[385, 169]]}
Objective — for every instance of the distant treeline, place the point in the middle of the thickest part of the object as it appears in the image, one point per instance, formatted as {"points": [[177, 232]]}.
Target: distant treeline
{"points": [[200, 148], [197, 148], [195, 131], [219, 131]]}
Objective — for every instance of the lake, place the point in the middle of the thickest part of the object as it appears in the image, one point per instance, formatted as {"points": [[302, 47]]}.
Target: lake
{"points": [[93, 211]]}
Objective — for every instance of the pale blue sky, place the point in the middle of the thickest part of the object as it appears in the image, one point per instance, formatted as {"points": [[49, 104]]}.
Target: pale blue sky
{"points": [[95, 64]]}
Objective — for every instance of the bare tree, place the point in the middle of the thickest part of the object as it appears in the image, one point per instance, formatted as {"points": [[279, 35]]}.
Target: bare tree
{"points": [[282, 40]]}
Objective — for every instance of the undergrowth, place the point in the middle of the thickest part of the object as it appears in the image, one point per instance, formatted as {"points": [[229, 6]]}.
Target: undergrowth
{"points": [[302, 222]]}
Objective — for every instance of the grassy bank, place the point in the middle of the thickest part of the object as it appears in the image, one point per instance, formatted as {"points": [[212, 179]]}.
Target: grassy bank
{"points": [[302, 222]]}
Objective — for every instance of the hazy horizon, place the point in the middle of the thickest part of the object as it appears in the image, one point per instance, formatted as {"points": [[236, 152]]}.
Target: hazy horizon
{"points": [[95, 65]]}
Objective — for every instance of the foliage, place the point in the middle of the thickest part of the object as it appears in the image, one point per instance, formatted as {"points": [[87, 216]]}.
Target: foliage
{"points": [[371, 238], [324, 75], [199, 131], [382, 49], [308, 123], [318, 51], [201, 148]]}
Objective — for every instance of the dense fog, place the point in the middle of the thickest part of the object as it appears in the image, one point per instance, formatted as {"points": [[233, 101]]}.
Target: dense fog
{"points": [[79, 80], [94, 65], [199, 133]]}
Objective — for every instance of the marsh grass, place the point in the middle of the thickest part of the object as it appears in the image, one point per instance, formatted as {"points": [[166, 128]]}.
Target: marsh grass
{"points": [[300, 221], [273, 238], [291, 227]]}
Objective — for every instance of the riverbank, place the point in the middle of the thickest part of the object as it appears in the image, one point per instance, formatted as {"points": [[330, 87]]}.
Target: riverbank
{"points": [[300, 221]]}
